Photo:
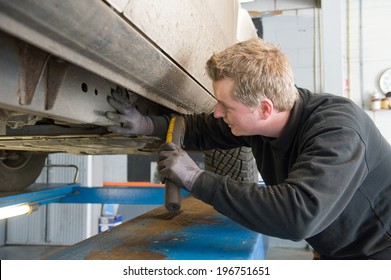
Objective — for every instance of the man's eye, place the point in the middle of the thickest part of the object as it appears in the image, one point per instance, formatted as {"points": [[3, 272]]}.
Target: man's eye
{"points": [[222, 106]]}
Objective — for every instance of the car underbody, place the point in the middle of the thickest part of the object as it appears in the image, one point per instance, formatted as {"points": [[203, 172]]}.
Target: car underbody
{"points": [[60, 60]]}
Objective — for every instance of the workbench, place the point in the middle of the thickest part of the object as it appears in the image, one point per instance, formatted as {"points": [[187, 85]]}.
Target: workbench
{"points": [[196, 232]]}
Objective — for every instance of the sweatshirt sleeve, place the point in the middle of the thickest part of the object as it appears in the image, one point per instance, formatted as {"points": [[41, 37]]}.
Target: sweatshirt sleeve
{"points": [[206, 132], [318, 187]]}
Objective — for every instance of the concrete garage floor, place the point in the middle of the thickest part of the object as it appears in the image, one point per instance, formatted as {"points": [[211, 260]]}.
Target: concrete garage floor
{"points": [[280, 249], [27, 252], [283, 253]]}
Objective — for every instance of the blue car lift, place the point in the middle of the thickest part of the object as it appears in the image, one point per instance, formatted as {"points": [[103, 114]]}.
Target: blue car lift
{"points": [[196, 232]]}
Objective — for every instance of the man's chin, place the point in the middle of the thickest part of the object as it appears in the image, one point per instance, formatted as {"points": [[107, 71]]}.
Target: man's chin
{"points": [[235, 132]]}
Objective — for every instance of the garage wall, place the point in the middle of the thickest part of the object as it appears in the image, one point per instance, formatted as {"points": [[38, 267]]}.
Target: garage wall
{"points": [[294, 32], [366, 29], [366, 48]]}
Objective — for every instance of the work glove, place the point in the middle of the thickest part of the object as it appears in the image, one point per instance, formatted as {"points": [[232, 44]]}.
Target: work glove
{"points": [[175, 164], [128, 121]]}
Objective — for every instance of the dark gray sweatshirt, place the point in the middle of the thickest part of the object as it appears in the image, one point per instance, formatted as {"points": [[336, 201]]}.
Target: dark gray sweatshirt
{"points": [[328, 178]]}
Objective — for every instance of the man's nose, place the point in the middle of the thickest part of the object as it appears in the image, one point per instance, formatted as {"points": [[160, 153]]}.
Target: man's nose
{"points": [[218, 111]]}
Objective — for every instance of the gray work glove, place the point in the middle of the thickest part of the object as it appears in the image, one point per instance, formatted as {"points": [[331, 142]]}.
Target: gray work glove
{"points": [[128, 121], [176, 165]]}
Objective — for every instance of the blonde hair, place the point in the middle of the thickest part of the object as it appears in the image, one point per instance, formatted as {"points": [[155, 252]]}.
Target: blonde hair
{"points": [[260, 70]]}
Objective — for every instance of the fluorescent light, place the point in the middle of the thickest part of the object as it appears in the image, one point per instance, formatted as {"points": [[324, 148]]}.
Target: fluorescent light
{"points": [[16, 210]]}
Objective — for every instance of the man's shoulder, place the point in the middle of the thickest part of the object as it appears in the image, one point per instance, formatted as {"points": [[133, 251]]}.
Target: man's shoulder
{"points": [[324, 109]]}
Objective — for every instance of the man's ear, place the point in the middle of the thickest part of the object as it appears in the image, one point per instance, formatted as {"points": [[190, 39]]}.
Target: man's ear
{"points": [[266, 107]]}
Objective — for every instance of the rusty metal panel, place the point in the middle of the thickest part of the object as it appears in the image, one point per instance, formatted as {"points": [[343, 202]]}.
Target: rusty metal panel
{"points": [[196, 232], [93, 36]]}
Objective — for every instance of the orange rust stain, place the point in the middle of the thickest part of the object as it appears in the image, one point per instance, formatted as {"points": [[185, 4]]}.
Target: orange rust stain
{"points": [[128, 255], [133, 236]]}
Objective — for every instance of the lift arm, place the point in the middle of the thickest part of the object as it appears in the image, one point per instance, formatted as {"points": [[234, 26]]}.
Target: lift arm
{"points": [[196, 232]]}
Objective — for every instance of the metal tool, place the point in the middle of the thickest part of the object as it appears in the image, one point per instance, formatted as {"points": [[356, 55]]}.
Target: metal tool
{"points": [[175, 134]]}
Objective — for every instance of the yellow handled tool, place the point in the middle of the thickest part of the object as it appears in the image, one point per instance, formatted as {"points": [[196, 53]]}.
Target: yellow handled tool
{"points": [[175, 134]]}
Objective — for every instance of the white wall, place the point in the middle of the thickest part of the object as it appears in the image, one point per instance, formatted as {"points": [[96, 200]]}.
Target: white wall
{"points": [[367, 53], [331, 47], [294, 32], [366, 45]]}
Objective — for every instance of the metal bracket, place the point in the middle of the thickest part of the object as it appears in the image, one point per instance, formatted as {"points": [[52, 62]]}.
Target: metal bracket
{"points": [[32, 65], [66, 166]]}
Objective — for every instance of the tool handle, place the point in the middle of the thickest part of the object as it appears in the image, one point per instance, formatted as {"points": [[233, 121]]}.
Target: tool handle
{"points": [[172, 193], [172, 197]]}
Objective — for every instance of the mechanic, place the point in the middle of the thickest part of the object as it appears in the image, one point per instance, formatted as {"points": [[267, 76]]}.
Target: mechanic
{"points": [[325, 164]]}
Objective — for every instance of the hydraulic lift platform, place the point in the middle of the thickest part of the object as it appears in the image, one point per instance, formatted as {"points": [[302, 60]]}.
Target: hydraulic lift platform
{"points": [[196, 232]]}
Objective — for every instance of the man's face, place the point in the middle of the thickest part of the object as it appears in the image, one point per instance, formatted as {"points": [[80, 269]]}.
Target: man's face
{"points": [[239, 117]]}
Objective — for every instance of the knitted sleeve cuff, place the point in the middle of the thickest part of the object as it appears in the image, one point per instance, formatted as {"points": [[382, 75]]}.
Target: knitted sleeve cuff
{"points": [[160, 126], [206, 185]]}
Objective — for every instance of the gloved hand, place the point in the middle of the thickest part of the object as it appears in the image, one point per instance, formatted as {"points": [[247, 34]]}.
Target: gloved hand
{"points": [[128, 121], [176, 165]]}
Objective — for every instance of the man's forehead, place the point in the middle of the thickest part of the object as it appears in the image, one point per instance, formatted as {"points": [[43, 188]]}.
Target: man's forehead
{"points": [[223, 87]]}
